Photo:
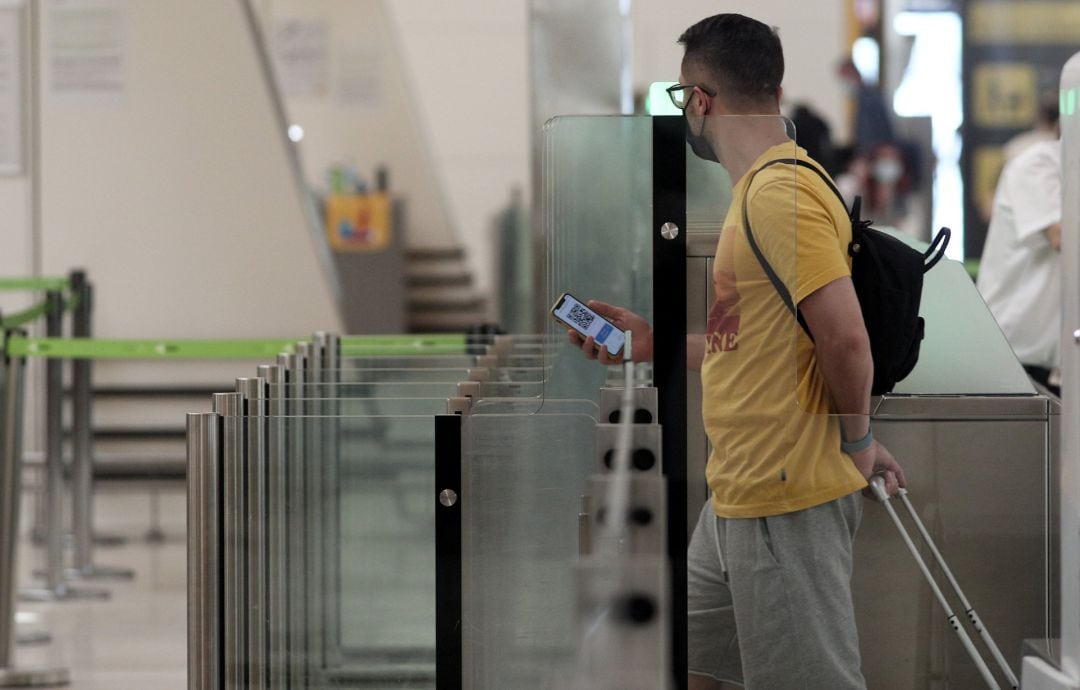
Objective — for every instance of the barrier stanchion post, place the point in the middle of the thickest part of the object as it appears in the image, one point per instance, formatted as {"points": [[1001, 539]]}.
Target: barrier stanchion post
{"points": [[234, 571], [254, 466], [312, 527], [330, 408], [56, 589], [82, 488], [293, 479], [204, 553], [276, 563], [11, 408]]}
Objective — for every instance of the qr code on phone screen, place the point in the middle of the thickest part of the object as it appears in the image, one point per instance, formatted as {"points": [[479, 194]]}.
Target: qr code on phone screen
{"points": [[581, 316]]}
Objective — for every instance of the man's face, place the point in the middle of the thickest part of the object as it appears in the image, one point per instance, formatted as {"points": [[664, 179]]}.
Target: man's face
{"points": [[698, 106]]}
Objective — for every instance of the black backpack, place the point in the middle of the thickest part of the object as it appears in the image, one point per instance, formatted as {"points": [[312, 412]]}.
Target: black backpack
{"points": [[888, 279]]}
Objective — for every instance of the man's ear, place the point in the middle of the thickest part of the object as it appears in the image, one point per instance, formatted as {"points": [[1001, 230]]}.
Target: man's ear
{"points": [[706, 104]]}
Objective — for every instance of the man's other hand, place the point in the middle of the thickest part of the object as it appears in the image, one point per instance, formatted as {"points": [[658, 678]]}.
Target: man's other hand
{"points": [[624, 320], [878, 460]]}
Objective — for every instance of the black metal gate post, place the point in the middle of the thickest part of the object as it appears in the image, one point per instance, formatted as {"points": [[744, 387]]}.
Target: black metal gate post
{"points": [[448, 640], [669, 356]]}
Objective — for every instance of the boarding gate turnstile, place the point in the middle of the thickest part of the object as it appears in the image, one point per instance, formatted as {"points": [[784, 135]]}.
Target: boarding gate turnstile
{"points": [[968, 419]]}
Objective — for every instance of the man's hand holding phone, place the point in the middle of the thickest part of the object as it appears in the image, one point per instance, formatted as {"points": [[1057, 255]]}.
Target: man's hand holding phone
{"points": [[623, 319]]}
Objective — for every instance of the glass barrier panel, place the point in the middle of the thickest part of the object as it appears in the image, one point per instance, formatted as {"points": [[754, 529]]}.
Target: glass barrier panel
{"points": [[352, 377], [527, 474], [526, 407], [375, 389], [463, 361], [353, 526], [596, 217]]}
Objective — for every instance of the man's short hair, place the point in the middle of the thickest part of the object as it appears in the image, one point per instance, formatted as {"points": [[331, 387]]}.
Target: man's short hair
{"points": [[743, 57]]}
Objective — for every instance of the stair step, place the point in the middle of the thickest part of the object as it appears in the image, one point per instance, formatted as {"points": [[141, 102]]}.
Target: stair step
{"points": [[441, 280], [152, 391], [426, 254], [136, 433], [446, 303], [446, 322]]}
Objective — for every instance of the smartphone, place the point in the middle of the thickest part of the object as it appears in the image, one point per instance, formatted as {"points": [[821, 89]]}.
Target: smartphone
{"points": [[570, 312]]}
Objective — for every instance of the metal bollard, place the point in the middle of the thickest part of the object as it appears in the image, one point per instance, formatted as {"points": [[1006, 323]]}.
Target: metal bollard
{"points": [[233, 509], [329, 501], [11, 419], [295, 519], [56, 588], [313, 525], [276, 505], [204, 552], [82, 489], [253, 463]]}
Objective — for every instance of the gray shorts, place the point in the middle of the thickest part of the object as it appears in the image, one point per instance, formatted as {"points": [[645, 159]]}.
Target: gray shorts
{"points": [[784, 618]]}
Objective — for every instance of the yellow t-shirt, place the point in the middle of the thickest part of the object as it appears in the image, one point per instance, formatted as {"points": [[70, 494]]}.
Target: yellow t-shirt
{"points": [[775, 447]]}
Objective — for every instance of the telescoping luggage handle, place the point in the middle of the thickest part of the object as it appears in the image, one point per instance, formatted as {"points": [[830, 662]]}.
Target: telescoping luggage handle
{"points": [[877, 485]]}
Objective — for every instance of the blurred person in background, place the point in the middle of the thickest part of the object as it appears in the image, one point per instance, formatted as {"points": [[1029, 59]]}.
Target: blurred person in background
{"points": [[1045, 129], [873, 121], [813, 133], [1020, 273], [879, 166]]}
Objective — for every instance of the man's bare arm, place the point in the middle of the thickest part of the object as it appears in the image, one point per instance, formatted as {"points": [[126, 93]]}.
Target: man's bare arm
{"points": [[1053, 235], [842, 347], [695, 351]]}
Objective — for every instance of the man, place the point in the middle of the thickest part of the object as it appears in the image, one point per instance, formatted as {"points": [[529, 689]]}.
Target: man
{"points": [[790, 454], [1020, 275]]}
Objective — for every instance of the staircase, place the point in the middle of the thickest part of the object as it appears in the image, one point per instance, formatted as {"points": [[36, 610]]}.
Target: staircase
{"points": [[441, 296]]}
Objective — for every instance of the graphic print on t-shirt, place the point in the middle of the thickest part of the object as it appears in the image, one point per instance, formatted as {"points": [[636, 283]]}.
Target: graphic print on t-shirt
{"points": [[722, 330]]}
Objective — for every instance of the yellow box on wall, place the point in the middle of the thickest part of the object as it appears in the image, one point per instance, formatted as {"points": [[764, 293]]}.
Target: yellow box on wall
{"points": [[1005, 94], [358, 222]]}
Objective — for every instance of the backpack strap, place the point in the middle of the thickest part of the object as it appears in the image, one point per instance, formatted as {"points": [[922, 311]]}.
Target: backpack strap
{"points": [[778, 285]]}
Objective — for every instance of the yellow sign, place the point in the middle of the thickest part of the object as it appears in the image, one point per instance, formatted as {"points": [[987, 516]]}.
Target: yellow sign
{"points": [[1031, 22], [1005, 94], [986, 166], [358, 222]]}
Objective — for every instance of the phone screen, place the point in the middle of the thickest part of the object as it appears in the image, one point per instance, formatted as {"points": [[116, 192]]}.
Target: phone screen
{"points": [[587, 322]]}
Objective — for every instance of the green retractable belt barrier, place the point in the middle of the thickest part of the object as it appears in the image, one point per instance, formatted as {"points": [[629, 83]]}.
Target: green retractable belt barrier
{"points": [[98, 348], [397, 345], [30, 314], [34, 284]]}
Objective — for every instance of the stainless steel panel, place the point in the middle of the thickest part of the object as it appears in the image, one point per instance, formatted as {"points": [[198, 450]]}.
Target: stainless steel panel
{"points": [[960, 407], [980, 487]]}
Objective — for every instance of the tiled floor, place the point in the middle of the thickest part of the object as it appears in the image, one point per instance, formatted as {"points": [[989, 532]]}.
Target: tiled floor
{"points": [[136, 640]]}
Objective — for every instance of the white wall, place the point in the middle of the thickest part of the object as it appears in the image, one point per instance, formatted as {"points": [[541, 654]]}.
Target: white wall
{"points": [[178, 197], [384, 128], [468, 61]]}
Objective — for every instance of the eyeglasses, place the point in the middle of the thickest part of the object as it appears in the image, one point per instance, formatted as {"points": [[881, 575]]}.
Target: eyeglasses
{"points": [[681, 94]]}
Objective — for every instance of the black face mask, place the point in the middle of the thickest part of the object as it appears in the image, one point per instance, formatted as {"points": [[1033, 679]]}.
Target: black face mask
{"points": [[698, 143]]}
